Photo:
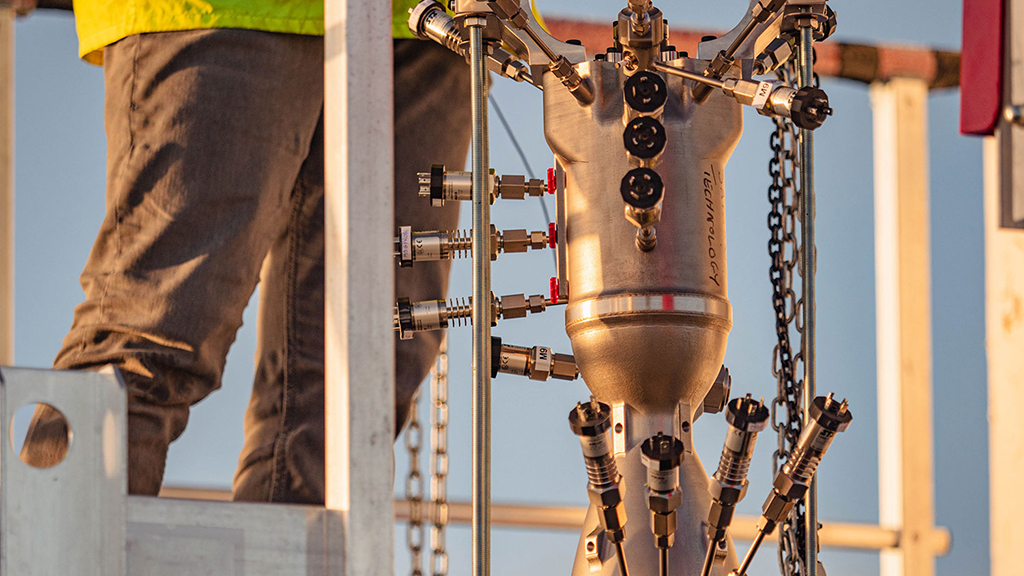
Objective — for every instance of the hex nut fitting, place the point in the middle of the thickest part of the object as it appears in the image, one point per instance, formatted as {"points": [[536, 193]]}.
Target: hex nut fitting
{"points": [[607, 497], [662, 503], [664, 524], [726, 493]]}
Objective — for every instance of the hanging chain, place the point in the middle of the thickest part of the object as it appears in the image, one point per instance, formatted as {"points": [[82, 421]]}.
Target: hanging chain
{"points": [[439, 460], [784, 248], [414, 491]]}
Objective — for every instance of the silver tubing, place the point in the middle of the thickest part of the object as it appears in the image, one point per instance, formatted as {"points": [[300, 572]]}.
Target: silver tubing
{"points": [[758, 538], [481, 314], [808, 268], [687, 75]]}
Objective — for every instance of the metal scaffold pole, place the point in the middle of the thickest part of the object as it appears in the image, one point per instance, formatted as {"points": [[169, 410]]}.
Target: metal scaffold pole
{"points": [[6, 186], [808, 267], [359, 365], [481, 309]]}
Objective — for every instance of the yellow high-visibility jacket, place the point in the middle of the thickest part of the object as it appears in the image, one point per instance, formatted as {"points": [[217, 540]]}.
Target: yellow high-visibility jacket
{"points": [[103, 22]]}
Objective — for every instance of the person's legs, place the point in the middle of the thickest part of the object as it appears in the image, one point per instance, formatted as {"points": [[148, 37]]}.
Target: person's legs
{"points": [[283, 458], [207, 131]]}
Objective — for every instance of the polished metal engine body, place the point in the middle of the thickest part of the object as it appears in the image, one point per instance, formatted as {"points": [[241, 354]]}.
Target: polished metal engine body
{"points": [[648, 329]]}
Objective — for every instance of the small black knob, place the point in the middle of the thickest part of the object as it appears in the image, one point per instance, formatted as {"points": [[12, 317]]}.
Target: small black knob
{"points": [[645, 92], [644, 137], [642, 188], [810, 108]]}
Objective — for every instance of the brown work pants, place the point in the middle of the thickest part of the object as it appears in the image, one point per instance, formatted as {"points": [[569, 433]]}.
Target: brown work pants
{"points": [[215, 181]]}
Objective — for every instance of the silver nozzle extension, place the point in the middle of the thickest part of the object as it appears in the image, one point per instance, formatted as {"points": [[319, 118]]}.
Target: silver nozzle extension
{"points": [[442, 186], [537, 363], [434, 246], [411, 317], [807, 107], [428, 20]]}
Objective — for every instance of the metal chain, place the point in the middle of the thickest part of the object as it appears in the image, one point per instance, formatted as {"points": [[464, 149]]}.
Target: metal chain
{"points": [[439, 460], [784, 248], [414, 491]]}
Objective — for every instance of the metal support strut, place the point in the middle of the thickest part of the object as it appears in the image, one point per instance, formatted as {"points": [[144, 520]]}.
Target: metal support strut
{"points": [[481, 314], [807, 270]]}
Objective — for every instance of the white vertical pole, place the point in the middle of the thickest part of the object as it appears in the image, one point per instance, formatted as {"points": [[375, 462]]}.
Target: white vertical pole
{"points": [[903, 292], [1004, 340], [359, 213], [6, 186]]}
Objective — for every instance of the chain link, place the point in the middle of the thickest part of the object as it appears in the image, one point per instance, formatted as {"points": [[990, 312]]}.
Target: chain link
{"points": [[414, 491], [787, 367], [439, 461]]}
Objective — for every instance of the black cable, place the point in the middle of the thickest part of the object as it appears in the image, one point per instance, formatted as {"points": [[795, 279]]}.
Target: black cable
{"points": [[622, 559], [663, 561], [519, 150], [526, 163]]}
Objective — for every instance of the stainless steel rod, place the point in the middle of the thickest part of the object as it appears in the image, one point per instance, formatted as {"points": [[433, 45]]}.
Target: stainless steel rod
{"points": [[750, 554], [6, 186], [540, 42], [741, 38], [481, 314], [686, 74], [808, 269], [709, 558]]}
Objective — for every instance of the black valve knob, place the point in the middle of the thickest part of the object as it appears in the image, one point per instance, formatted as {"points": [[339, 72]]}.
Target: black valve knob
{"points": [[642, 188], [646, 92], [810, 108], [644, 137]]}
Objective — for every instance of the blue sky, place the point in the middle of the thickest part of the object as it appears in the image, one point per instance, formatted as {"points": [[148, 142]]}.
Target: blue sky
{"points": [[60, 181]]}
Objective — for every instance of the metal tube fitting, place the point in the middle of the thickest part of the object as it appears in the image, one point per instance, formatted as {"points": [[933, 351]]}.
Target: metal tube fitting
{"points": [[826, 418], [442, 186], [746, 417], [592, 422], [411, 317], [662, 455], [433, 246], [537, 363], [807, 107]]}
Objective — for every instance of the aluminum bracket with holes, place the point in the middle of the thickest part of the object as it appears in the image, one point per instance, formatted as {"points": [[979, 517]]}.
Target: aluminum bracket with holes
{"points": [[69, 518]]}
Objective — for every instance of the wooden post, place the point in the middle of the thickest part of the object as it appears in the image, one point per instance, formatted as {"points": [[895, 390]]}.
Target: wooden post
{"points": [[1004, 339], [902, 282], [6, 186], [359, 214]]}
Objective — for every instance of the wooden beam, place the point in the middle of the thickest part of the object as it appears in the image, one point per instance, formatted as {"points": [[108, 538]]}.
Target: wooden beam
{"points": [[903, 289], [1004, 339]]}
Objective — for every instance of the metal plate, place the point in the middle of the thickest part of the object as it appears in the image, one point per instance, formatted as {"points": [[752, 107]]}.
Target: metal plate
{"points": [[67, 519]]}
